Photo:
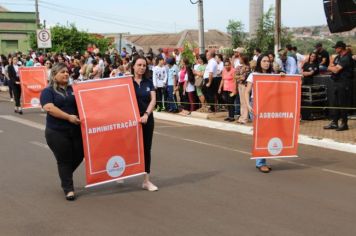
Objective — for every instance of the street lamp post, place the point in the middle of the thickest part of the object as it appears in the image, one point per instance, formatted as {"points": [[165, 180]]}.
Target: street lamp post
{"points": [[201, 24]]}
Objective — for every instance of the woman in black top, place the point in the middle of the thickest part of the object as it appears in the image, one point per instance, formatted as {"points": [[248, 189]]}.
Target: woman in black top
{"points": [[14, 82], [63, 134], [310, 69], [146, 99]]}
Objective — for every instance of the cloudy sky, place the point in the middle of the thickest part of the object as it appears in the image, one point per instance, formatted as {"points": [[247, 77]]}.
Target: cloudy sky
{"points": [[159, 16]]}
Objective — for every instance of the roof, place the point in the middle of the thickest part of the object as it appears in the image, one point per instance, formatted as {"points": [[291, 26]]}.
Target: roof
{"points": [[176, 40]]}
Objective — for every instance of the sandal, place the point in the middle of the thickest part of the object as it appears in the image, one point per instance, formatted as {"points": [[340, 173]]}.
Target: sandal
{"points": [[264, 169]]}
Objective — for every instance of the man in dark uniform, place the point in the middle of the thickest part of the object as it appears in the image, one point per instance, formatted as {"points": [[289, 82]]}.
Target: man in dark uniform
{"points": [[342, 69]]}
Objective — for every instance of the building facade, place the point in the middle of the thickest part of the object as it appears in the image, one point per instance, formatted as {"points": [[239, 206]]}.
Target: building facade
{"points": [[15, 30]]}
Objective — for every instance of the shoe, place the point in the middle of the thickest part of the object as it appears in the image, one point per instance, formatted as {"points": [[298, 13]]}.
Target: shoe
{"points": [[150, 187], [332, 125], [342, 127], [158, 109], [16, 111], [70, 196], [227, 119], [20, 112], [120, 181], [231, 120], [264, 169]]}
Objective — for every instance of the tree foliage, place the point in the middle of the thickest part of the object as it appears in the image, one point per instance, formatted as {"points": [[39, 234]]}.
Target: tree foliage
{"points": [[187, 52], [70, 39], [264, 38], [236, 29]]}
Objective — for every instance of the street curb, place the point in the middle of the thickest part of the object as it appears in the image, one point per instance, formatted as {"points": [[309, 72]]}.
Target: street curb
{"points": [[302, 139]]}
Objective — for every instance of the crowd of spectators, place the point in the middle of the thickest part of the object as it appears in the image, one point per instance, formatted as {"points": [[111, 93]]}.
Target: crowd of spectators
{"points": [[213, 82]]}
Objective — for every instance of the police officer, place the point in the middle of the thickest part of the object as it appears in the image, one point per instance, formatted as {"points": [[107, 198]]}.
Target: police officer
{"points": [[342, 70]]}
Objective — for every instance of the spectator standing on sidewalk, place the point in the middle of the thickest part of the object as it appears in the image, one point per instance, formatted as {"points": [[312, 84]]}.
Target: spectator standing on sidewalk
{"points": [[241, 75], [210, 89], [199, 69], [189, 90], [159, 82], [172, 81], [228, 88], [342, 74]]}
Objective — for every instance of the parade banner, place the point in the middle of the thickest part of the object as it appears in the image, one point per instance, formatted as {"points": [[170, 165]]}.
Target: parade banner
{"points": [[276, 106], [112, 134], [33, 81]]}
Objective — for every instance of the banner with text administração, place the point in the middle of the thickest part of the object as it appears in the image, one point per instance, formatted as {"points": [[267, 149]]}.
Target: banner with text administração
{"points": [[33, 81], [276, 106], [112, 134]]}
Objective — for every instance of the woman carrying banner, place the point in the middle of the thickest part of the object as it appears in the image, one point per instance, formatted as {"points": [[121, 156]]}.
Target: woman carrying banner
{"points": [[63, 134], [146, 99], [13, 72], [263, 66]]}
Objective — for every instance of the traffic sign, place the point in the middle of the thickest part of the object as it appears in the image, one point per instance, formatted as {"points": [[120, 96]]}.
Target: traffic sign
{"points": [[44, 38]]}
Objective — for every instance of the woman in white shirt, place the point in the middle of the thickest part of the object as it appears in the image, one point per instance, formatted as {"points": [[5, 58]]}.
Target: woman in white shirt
{"points": [[263, 67], [189, 89]]}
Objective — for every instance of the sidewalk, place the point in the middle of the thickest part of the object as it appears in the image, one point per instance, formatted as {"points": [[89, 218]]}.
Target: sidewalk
{"points": [[311, 132]]}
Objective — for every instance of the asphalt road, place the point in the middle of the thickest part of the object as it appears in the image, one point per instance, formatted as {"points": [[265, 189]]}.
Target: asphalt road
{"points": [[208, 186]]}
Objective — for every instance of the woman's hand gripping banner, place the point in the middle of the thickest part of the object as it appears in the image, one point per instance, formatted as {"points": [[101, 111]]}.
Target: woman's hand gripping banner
{"points": [[112, 134]]}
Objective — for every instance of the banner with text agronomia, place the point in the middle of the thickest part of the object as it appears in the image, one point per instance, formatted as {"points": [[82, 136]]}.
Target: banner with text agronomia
{"points": [[276, 107]]}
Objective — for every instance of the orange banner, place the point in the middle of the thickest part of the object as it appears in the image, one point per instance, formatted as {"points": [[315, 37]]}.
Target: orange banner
{"points": [[112, 134], [33, 81], [276, 106]]}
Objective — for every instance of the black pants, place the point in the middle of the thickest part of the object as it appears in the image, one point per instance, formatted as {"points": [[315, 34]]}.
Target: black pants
{"points": [[231, 103], [17, 94], [10, 88], [147, 130], [160, 97], [67, 147], [340, 96]]}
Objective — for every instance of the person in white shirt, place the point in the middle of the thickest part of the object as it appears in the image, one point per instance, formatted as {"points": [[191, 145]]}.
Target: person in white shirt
{"points": [[159, 77], [210, 88], [189, 90], [257, 53], [300, 59], [177, 56]]}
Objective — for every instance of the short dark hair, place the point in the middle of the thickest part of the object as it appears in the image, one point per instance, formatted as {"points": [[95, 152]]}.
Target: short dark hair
{"points": [[258, 50]]}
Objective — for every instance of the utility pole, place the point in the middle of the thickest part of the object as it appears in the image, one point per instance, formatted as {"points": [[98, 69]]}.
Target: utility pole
{"points": [[201, 25], [37, 15], [277, 27]]}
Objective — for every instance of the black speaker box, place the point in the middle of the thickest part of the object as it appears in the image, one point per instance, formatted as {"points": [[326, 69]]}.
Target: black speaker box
{"points": [[340, 15]]}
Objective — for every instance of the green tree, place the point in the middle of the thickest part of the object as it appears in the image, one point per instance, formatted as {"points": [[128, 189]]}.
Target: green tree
{"points": [[264, 38], [235, 28], [187, 52], [70, 39]]}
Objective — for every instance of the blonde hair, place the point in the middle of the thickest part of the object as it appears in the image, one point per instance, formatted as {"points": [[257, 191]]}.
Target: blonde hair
{"points": [[52, 82]]}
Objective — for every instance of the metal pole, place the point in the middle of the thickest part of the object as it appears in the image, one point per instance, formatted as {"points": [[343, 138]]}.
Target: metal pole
{"points": [[120, 43], [201, 26], [37, 15], [277, 28]]}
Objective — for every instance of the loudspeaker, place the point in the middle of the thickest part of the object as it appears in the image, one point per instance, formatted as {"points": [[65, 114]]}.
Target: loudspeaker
{"points": [[340, 15]]}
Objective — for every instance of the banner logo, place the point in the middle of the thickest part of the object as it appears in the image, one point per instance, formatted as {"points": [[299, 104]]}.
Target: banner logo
{"points": [[275, 146], [115, 166]]}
